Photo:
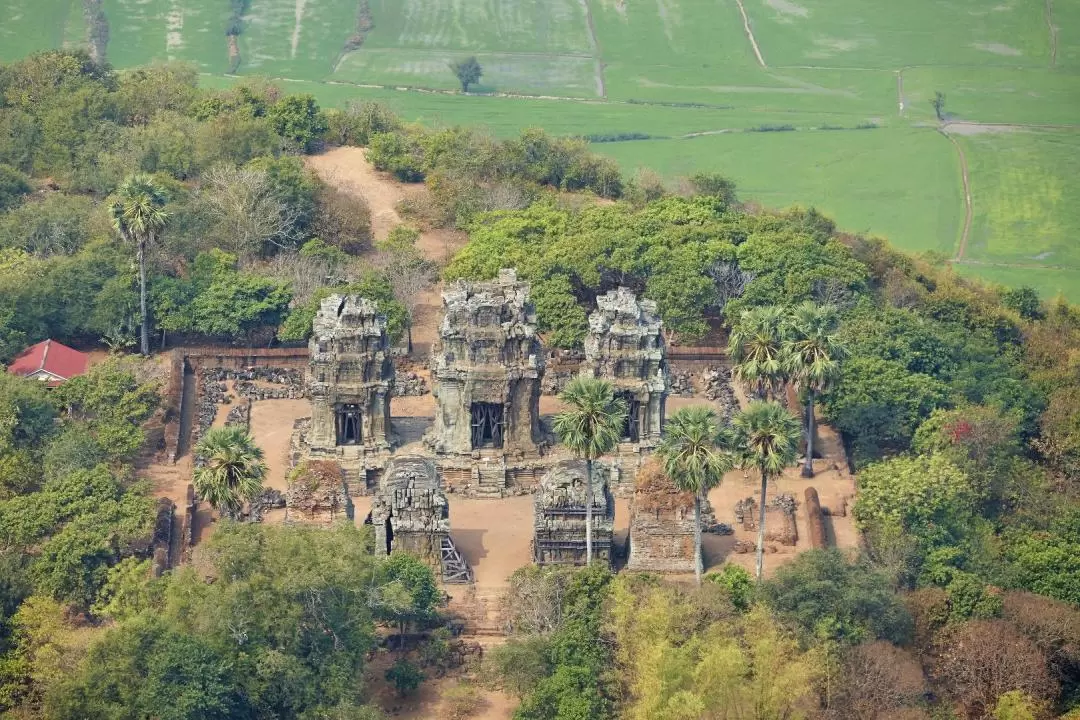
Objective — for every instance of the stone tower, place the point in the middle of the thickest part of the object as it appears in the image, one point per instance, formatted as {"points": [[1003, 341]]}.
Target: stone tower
{"points": [[559, 515], [625, 345], [410, 512], [486, 368], [350, 380]]}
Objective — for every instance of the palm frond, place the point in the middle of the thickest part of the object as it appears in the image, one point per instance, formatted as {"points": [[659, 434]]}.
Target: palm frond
{"points": [[592, 424]]}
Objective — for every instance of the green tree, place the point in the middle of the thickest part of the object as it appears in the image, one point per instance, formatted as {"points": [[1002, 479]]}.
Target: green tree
{"points": [[590, 427], [694, 461], [407, 592], [827, 597], [13, 187], [232, 469], [758, 352], [298, 119], [814, 353], [405, 676], [766, 438], [468, 72], [138, 213]]}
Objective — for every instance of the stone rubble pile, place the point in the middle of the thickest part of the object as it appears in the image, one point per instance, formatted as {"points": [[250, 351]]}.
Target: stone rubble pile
{"points": [[239, 415], [554, 382], [409, 384], [682, 383], [718, 389]]}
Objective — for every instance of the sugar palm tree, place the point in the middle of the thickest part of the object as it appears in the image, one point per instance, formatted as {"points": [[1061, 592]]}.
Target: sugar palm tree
{"points": [[694, 460], [756, 349], [765, 436], [138, 215], [232, 468], [590, 427], [814, 353]]}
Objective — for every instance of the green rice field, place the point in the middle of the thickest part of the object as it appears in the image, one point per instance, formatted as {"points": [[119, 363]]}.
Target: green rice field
{"points": [[699, 80]]}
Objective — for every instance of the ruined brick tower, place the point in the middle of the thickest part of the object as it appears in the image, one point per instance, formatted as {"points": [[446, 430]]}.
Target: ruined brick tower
{"points": [[625, 346], [486, 367], [350, 380]]}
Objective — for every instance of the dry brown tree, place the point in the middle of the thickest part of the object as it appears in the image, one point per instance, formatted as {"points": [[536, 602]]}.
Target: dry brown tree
{"points": [[980, 660], [880, 680]]}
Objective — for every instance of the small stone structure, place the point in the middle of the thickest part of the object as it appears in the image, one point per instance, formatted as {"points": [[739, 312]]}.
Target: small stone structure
{"points": [[661, 524], [410, 512], [487, 365], [350, 382], [780, 524], [317, 495], [559, 515]]}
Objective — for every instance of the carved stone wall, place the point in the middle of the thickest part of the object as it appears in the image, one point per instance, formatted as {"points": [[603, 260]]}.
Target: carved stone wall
{"points": [[350, 381], [625, 345], [487, 365], [661, 524], [410, 511], [559, 519]]}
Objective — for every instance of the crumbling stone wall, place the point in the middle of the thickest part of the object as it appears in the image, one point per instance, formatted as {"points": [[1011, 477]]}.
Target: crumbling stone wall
{"points": [[487, 357], [317, 495], [625, 345], [661, 523], [410, 512], [350, 371], [780, 524], [559, 519]]}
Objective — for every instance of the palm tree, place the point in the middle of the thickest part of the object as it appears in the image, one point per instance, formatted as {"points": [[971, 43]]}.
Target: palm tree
{"points": [[814, 353], [232, 469], [694, 461], [138, 214], [591, 427], [756, 349], [766, 437]]}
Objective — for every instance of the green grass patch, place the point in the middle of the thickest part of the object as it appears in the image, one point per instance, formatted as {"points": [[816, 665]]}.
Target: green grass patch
{"points": [[531, 74], [899, 183], [1067, 21], [32, 25], [551, 26], [1026, 197], [146, 31], [294, 38], [1049, 282], [995, 95], [852, 33]]}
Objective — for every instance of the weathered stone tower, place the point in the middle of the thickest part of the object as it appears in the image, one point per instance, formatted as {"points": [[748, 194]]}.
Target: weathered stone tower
{"points": [[410, 512], [350, 379], [487, 364], [559, 515], [625, 345], [661, 524]]}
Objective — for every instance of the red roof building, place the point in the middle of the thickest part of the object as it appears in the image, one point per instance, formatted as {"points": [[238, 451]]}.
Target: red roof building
{"points": [[51, 362]]}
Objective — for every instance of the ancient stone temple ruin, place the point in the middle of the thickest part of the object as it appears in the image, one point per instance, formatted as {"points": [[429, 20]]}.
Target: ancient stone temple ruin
{"points": [[410, 513], [350, 379], [559, 518], [487, 364], [661, 524], [317, 495], [625, 346]]}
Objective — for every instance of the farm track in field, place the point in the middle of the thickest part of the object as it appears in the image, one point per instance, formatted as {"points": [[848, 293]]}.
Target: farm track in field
{"points": [[750, 34], [967, 196], [598, 58]]}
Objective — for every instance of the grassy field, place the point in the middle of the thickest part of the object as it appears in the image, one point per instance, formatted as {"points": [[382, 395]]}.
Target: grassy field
{"points": [[686, 74], [899, 183]]}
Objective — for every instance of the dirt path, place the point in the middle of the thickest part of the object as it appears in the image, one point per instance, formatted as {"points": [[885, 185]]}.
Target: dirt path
{"points": [[1053, 32], [750, 34], [298, 25], [900, 92], [598, 61], [967, 195]]}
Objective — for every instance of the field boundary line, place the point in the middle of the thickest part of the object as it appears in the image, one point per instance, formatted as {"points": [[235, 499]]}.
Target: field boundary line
{"points": [[1053, 32], [598, 60], [750, 34], [967, 196]]}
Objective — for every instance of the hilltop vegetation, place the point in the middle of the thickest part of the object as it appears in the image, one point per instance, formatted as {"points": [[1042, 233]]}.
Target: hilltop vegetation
{"points": [[959, 404]]}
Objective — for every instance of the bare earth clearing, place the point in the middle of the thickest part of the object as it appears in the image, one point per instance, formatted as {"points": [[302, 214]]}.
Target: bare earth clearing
{"points": [[495, 536]]}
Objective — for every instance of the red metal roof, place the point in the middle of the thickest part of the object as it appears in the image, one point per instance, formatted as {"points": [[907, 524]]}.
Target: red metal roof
{"points": [[54, 358]]}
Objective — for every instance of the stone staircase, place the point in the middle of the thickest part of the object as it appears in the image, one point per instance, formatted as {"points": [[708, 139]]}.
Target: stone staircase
{"points": [[490, 479], [481, 609]]}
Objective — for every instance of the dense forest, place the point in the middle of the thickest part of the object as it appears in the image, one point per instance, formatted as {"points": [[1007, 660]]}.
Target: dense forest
{"points": [[958, 403]]}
